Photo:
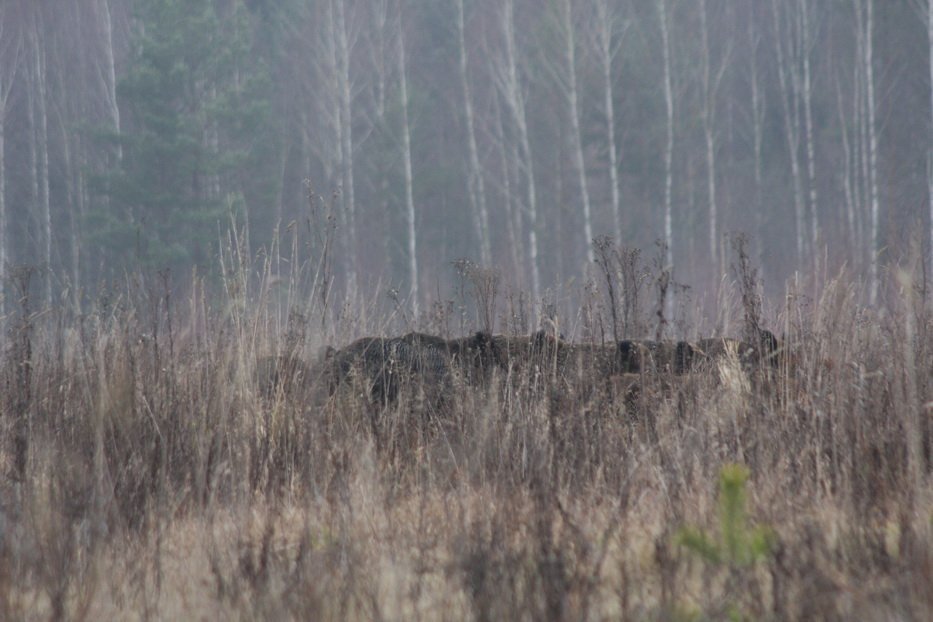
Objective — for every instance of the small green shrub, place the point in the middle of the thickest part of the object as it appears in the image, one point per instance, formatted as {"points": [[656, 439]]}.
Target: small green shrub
{"points": [[738, 546]]}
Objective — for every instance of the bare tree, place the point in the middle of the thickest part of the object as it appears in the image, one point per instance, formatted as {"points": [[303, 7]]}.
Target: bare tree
{"points": [[11, 45], [106, 69], [40, 140], [758, 122], [409, 184], [924, 10], [669, 144], [569, 84], [327, 81], [850, 164], [511, 90], [607, 43], [803, 11], [871, 122], [476, 188], [379, 35], [344, 41], [788, 53], [711, 84]]}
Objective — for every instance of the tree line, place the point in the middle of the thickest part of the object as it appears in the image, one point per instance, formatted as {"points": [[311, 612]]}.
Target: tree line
{"points": [[511, 132]]}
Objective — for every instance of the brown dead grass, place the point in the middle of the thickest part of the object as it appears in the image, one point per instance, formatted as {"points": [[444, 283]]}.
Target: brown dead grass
{"points": [[145, 475]]}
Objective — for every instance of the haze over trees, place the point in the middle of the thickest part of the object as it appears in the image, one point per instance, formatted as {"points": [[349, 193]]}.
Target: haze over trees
{"points": [[510, 132]]}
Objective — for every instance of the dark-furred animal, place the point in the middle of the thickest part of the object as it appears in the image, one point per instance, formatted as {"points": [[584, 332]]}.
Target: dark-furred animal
{"points": [[385, 364]]}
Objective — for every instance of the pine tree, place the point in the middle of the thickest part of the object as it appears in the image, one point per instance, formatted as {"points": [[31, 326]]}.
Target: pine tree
{"points": [[195, 104]]}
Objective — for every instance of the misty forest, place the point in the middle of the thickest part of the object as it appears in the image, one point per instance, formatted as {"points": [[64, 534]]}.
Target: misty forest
{"points": [[466, 309], [508, 133]]}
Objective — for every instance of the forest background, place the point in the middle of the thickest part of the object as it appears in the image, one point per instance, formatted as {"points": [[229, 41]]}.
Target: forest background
{"points": [[407, 134]]}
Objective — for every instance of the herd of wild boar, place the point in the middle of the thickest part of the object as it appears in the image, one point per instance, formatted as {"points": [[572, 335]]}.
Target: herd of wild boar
{"points": [[379, 367]]}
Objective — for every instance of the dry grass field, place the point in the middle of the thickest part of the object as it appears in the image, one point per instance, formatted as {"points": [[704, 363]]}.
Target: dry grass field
{"points": [[150, 472]]}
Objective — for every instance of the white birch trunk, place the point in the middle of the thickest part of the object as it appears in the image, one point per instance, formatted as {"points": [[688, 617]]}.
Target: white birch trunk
{"points": [[409, 186], [475, 185], [516, 102], [345, 117], [576, 138], [758, 114], [861, 136], [109, 69], [710, 140], [381, 60], [930, 153], [669, 144], [808, 125], [787, 78], [42, 148], [8, 68], [3, 224], [872, 149], [606, 48]]}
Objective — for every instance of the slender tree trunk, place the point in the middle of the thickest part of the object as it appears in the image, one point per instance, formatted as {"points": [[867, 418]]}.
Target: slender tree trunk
{"points": [[709, 106], [807, 95], [516, 102], [42, 146], [330, 144], [346, 135], [8, 67], [475, 186], [861, 136], [606, 47], [576, 138], [3, 220], [787, 78], [930, 151], [669, 144], [381, 60], [872, 149], [758, 118], [109, 69], [409, 186]]}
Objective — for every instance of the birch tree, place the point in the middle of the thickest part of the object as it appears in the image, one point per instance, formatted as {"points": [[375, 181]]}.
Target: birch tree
{"points": [[787, 53], [667, 80], [711, 82], [758, 122], [476, 188], [850, 133], [106, 67], [511, 90], [409, 183], [10, 55], [930, 134], [871, 122], [325, 81], [607, 42], [38, 88], [570, 88], [344, 42], [804, 19]]}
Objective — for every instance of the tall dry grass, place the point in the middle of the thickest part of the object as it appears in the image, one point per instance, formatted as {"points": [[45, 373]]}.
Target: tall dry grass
{"points": [[147, 474]]}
